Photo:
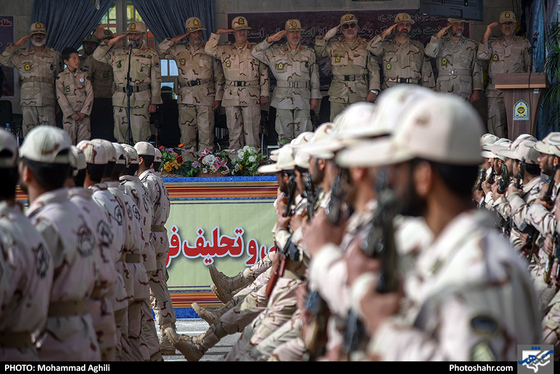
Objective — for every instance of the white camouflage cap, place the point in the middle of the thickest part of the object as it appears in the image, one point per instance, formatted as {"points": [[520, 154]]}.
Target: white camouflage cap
{"points": [[488, 139], [94, 152], [145, 149], [133, 158], [319, 143], [436, 127], [122, 155], [525, 150], [285, 162], [78, 160], [47, 144], [109, 149], [8, 150], [491, 150], [157, 155], [550, 144]]}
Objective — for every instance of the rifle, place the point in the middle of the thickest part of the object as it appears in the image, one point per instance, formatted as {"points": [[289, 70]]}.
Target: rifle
{"points": [[481, 177], [548, 193], [316, 338], [550, 259], [379, 241], [503, 182], [335, 207], [291, 196], [309, 193], [288, 253], [520, 175], [491, 176], [532, 234]]}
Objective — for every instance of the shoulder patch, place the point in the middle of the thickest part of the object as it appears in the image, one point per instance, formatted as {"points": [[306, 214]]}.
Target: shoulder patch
{"points": [[485, 326]]}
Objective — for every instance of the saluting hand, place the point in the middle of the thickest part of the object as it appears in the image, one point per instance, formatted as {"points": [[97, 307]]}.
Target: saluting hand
{"points": [[224, 31], [180, 37], [388, 31], [116, 39], [443, 31], [276, 37], [23, 41]]}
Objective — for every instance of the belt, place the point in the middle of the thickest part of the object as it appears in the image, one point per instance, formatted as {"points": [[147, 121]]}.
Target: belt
{"points": [[196, 82], [97, 293], [454, 72], [292, 84], [38, 79], [242, 83], [158, 228], [15, 339], [67, 308], [402, 80], [350, 78], [132, 258], [145, 87]]}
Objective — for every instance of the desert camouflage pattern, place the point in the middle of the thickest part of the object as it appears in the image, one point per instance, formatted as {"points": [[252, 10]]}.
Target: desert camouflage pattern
{"points": [[74, 93], [100, 75], [355, 72], [503, 57], [25, 284], [459, 70], [402, 61], [100, 305], [71, 240]]}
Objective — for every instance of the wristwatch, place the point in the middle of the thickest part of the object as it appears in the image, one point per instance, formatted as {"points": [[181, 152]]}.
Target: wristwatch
{"points": [[375, 92]]}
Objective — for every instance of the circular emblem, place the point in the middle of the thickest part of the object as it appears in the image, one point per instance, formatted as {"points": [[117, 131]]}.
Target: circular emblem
{"points": [[348, 18], [228, 63], [195, 22], [294, 24], [241, 21], [494, 57], [27, 67], [521, 110], [37, 26], [182, 61], [133, 26], [507, 14], [388, 66], [444, 61]]}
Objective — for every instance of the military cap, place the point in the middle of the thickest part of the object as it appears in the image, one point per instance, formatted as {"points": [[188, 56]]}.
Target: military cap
{"points": [[507, 16], [77, 159], [109, 149], [91, 38], [136, 27], [122, 155], [157, 155], [285, 162], [293, 25], [94, 152], [106, 34], [8, 150], [144, 149], [240, 23], [194, 24], [524, 151], [47, 144], [133, 158], [403, 17], [348, 18], [550, 144], [436, 127], [455, 20], [37, 28]]}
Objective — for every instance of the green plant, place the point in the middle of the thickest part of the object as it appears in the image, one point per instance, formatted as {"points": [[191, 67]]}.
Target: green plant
{"points": [[551, 97]]}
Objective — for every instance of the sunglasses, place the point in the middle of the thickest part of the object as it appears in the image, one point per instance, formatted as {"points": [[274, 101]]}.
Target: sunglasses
{"points": [[349, 26]]}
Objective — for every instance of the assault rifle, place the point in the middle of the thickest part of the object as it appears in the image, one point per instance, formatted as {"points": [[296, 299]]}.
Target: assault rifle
{"points": [[550, 259], [335, 208], [289, 211], [520, 175]]}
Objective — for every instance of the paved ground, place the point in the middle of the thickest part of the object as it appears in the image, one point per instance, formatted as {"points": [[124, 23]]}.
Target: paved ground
{"points": [[195, 327]]}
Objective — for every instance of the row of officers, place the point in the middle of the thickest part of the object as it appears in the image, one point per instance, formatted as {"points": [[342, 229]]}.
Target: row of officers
{"points": [[126, 81], [82, 269]]}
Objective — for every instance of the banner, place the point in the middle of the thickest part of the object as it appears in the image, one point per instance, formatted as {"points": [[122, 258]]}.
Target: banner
{"points": [[7, 35]]}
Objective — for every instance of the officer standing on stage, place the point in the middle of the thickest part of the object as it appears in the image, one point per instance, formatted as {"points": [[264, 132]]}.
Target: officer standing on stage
{"points": [[201, 87], [144, 84], [403, 59], [38, 67], [297, 90], [506, 53], [459, 70], [355, 72], [247, 85]]}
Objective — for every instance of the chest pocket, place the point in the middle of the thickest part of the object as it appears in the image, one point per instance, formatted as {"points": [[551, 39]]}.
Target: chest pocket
{"points": [[281, 66], [359, 59], [338, 58]]}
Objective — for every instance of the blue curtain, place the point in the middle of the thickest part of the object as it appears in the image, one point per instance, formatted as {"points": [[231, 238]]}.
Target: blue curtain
{"points": [[166, 18], [68, 21]]}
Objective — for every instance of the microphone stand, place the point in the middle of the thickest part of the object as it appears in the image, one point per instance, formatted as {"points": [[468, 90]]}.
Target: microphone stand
{"points": [[128, 94]]}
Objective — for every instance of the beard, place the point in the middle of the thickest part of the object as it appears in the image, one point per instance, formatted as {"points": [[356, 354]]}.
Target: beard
{"points": [[412, 204], [39, 43]]}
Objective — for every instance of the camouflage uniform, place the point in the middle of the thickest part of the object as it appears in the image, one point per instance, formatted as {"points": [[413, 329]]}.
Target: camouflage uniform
{"points": [[246, 81], [402, 63], [145, 74], [297, 81], [201, 81], [74, 93], [459, 70], [101, 77], [37, 71], [25, 285], [355, 72], [503, 56]]}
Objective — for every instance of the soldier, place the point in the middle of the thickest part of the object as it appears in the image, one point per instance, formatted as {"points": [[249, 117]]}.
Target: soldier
{"points": [[133, 187], [507, 53], [448, 295], [161, 300], [403, 59], [96, 172], [101, 77], [459, 70], [355, 72], [247, 85], [99, 304], [27, 267], [140, 64], [201, 87], [38, 67], [44, 168], [75, 97], [297, 81]]}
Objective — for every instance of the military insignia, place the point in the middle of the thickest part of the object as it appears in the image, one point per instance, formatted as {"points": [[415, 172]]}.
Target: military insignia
{"points": [[118, 215], [38, 25], [42, 259], [182, 61], [119, 64], [404, 16], [241, 21], [105, 233], [444, 61], [27, 67], [85, 241], [507, 14], [495, 57], [280, 66], [67, 88], [105, 74], [228, 64], [195, 22], [133, 26], [82, 80], [348, 18], [388, 66], [294, 24], [337, 59]]}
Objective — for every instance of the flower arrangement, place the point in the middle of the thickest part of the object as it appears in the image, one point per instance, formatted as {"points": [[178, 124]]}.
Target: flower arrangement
{"points": [[228, 162]]}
